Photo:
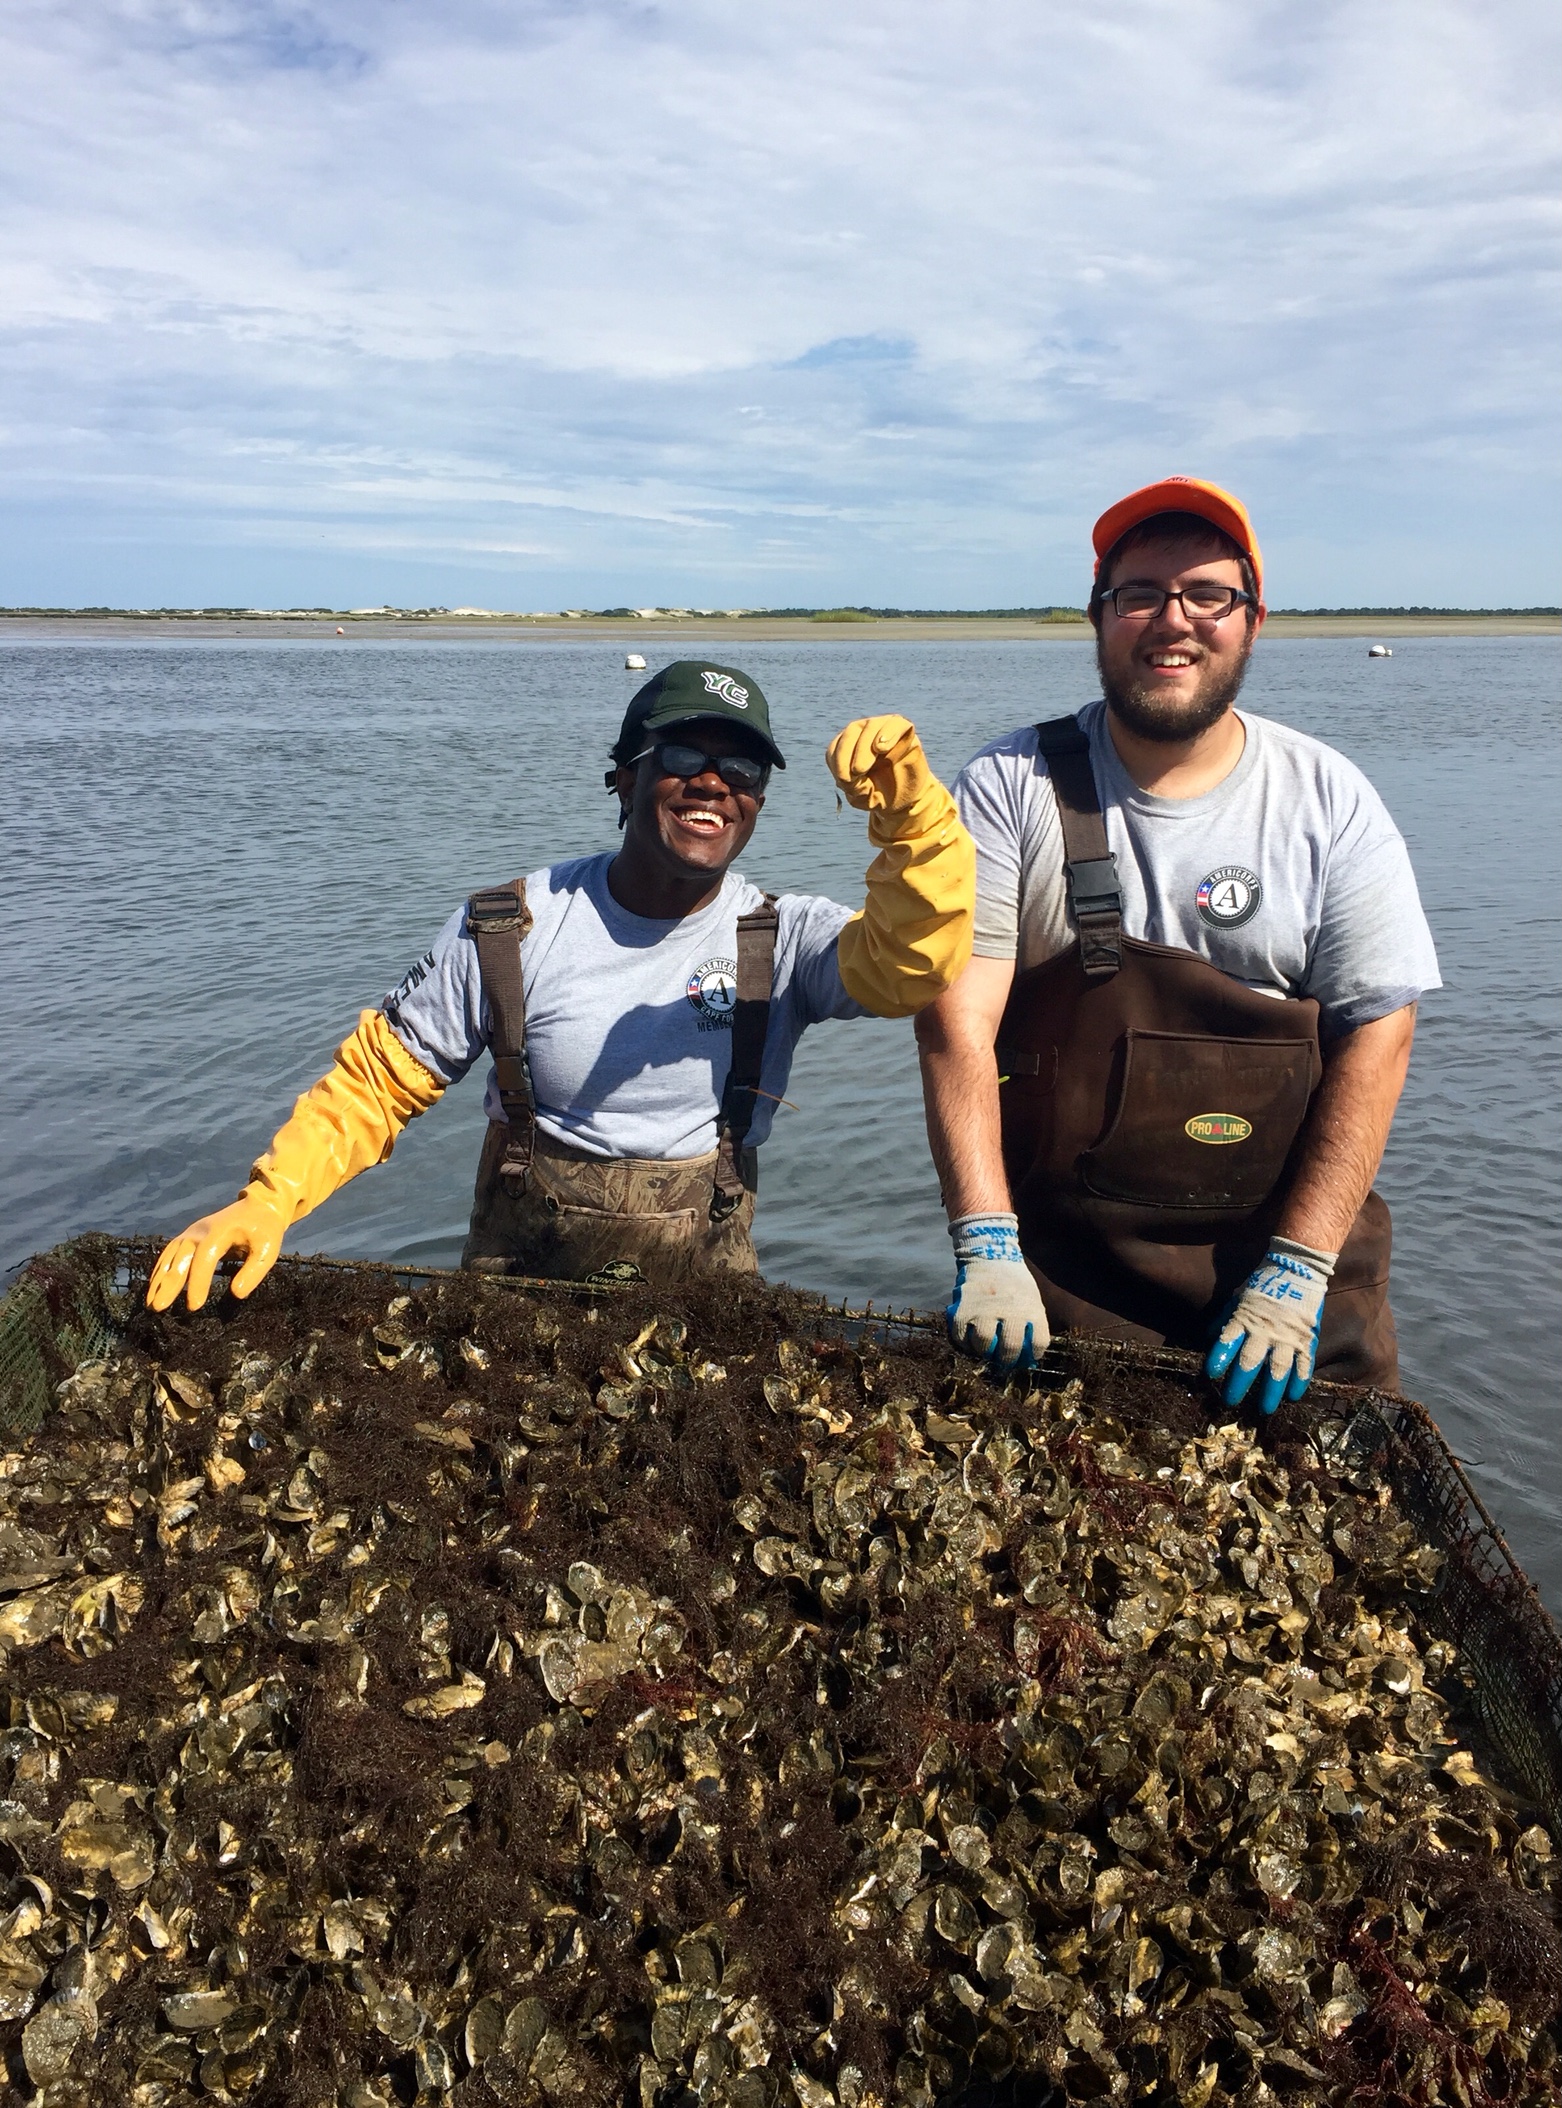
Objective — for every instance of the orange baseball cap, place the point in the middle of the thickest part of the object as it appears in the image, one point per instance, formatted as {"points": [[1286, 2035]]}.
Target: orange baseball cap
{"points": [[1180, 494]]}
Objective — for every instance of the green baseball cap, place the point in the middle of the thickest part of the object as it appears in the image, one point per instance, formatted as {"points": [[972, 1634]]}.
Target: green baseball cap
{"points": [[693, 688]]}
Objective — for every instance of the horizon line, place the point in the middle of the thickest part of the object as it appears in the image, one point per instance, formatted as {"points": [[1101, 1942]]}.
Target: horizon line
{"points": [[838, 613]]}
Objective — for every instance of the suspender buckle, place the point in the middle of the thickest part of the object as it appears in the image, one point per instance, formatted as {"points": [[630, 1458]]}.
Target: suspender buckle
{"points": [[1093, 887], [750, 1022], [497, 909], [725, 1200], [496, 920], [513, 1074], [1095, 896]]}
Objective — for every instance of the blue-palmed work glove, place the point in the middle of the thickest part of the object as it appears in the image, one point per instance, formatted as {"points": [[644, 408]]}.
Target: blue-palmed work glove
{"points": [[1273, 1326], [996, 1314]]}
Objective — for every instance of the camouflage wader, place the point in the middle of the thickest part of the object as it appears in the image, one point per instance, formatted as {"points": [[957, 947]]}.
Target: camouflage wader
{"points": [[546, 1209], [577, 1213]]}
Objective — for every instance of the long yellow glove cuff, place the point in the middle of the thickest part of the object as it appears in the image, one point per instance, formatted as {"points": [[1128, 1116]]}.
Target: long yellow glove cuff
{"points": [[347, 1121], [913, 936], [344, 1123]]}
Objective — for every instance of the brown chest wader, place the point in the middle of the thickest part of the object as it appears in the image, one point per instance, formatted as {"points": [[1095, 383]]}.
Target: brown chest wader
{"points": [[1151, 1107], [543, 1208]]}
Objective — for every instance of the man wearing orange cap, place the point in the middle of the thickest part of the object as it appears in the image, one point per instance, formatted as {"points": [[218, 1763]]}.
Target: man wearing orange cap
{"points": [[1159, 1094]]}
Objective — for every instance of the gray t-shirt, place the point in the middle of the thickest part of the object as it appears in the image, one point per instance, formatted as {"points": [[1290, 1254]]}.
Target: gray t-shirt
{"points": [[628, 1020], [1289, 876]]}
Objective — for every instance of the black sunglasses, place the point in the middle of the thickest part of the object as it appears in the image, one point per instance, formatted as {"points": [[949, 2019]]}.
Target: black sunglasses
{"points": [[740, 772]]}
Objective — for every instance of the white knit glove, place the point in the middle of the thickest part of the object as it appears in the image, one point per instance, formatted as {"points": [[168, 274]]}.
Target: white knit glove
{"points": [[1275, 1320], [996, 1314]]}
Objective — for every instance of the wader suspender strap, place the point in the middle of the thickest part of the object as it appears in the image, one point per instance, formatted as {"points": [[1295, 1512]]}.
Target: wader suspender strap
{"points": [[1093, 890], [497, 921], [750, 1022]]}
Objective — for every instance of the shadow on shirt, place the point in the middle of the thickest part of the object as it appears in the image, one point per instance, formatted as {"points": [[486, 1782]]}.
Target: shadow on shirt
{"points": [[634, 1044]]}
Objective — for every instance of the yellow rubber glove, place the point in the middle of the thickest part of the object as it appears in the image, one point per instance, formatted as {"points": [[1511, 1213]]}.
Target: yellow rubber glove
{"points": [[342, 1124], [913, 937]]}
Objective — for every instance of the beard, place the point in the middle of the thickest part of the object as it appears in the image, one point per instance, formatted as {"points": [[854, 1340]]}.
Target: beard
{"points": [[1168, 719]]}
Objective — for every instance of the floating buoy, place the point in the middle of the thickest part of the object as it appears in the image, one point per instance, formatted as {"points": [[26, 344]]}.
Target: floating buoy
{"points": [[1379, 651], [340, 631], [633, 663]]}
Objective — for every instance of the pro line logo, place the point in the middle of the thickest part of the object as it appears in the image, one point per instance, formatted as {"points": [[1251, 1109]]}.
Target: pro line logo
{"points": [[1217, 1127]]}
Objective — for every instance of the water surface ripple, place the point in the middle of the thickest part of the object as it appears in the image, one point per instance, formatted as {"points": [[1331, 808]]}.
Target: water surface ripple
{"points": [[213, 852]]}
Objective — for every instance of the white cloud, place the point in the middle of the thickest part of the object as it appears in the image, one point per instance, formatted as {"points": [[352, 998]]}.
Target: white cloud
{"points": [[910, 289]]}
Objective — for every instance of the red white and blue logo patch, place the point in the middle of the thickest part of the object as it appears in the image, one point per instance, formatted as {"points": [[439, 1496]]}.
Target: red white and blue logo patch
{"points": [[713, 990], [1229, 897]]}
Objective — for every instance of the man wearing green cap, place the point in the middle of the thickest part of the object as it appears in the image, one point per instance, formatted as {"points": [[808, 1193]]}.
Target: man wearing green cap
{"points": [[641, 1008]]}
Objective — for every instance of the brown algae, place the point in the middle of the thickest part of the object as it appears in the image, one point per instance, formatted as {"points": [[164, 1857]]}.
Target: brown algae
{"points": [[482, 1697]]}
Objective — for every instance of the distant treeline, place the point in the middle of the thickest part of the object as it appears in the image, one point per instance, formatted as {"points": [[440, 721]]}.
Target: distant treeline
{"points": [[846, 614], [229, 614], [1063, 614], [868, 614], [838, 614]]}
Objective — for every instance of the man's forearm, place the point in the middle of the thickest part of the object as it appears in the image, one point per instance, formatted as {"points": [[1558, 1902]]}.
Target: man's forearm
{"points": [[996, 1314], [1346, 1131], [960, 1092]]}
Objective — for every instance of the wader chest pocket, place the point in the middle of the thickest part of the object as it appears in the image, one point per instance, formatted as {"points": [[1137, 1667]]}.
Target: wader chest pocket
{"points": [[1175, 1138], [598, 1234]]}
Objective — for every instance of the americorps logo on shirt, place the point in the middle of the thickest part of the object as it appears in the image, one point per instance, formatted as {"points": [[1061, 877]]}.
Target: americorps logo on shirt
{"points": [[713, 990], [1229, 897]]}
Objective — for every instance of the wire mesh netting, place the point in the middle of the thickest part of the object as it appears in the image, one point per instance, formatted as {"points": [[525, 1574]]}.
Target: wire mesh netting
{"points": [[1486, 1605], [63, 1309], [68, 1306]]}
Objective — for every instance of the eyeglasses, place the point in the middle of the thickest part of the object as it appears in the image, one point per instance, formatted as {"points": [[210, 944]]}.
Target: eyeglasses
{"points": [[739, 772], [1203, 601]]}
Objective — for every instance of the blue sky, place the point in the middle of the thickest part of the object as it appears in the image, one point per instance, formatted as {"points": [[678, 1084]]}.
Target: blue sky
{"points": [[534, 304]]}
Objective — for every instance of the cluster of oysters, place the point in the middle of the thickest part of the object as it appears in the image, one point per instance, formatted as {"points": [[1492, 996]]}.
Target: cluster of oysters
{"points": [[475, 1697]]}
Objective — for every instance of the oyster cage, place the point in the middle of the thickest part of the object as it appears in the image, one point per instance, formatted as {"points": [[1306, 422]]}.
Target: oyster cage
{"points": [[68, 1305]]}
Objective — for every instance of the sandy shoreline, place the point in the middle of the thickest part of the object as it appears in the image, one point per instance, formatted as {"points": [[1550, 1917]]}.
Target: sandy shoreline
{"points": [[725, 637]]}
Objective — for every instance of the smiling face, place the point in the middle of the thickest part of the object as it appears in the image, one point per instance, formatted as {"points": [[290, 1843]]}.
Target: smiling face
{"points": [[688, 828], [1171, 678]]}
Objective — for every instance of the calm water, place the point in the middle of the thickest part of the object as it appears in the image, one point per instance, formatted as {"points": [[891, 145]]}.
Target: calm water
{"points": [[212, 853]]}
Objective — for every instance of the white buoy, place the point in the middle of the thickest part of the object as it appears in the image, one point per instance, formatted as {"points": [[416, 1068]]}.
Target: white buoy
{"points": [[633, 663], [340, 631], [1379, 651]]}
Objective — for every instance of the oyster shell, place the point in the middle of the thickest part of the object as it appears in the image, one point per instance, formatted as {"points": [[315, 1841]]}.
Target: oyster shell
{"points": [[654, 1701]]}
